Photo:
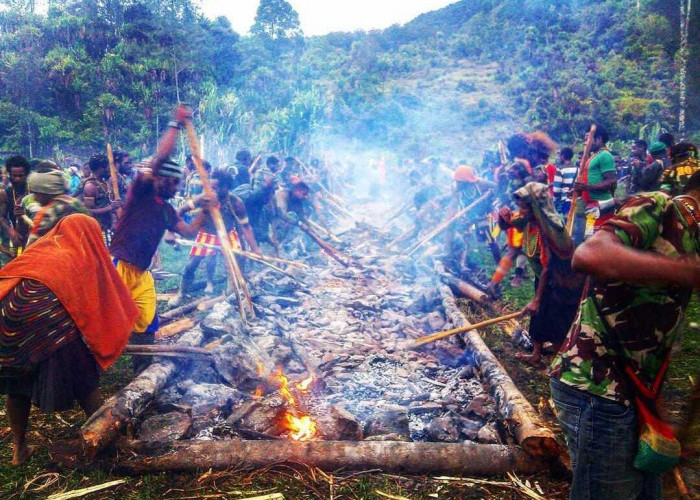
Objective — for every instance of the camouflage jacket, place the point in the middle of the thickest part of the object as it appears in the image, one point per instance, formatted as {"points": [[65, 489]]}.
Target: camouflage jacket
{"points": [[674, 178], [49, 215], [645, 319]]}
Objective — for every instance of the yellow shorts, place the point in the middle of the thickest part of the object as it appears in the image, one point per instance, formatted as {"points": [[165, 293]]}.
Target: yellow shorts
{"points": [[143, 290]]}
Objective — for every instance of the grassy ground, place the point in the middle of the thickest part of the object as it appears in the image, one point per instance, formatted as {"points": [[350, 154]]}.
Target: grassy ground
{"points": [[38, 478]]}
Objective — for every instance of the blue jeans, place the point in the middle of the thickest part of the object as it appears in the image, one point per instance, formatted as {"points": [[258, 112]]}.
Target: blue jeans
{"points": [[602, 439]]}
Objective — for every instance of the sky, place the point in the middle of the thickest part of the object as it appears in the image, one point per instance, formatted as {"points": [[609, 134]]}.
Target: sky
{"points": [[318, 17]]}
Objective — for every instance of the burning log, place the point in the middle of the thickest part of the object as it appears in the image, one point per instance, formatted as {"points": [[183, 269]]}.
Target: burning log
{"points": [[104, 425], [525, 423], [389, 456], [442, 227]]}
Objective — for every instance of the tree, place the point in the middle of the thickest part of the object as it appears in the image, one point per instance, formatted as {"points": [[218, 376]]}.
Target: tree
{"points": [[683, 56], [276, 20]]}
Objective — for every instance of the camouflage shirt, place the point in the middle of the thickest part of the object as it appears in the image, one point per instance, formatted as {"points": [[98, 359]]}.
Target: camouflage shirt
{"points": [[645, 319], [674, 178], [49, 215]]}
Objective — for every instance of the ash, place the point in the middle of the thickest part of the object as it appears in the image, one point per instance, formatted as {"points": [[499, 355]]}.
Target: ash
{"points": [[349, 329]]}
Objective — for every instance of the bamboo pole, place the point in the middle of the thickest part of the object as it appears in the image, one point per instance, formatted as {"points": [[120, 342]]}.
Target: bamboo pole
{"points": [[239, 285], [442, 227], [463, 329], [113, 175], [583, 167]]}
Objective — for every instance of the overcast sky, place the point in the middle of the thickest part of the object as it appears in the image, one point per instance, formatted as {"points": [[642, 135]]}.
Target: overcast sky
{"points": [[318, 17]]}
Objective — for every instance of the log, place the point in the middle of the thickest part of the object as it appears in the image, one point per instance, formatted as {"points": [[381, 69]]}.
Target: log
{"points": [[465, 289], [104, 425], [524, 421], [161, 348], [174, 328], [205, 302], [390, 456]]}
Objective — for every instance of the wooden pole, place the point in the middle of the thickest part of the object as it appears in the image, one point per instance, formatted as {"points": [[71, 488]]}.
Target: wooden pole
{"points": [[113, 173], [242, 295], [447, 223], [248, 255], [326, 247], [318, 227], [574, 195], [254, 165], [463, 329]]}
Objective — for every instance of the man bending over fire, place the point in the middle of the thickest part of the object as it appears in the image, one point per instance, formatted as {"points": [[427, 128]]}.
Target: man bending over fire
{"points": [[236, 221]]}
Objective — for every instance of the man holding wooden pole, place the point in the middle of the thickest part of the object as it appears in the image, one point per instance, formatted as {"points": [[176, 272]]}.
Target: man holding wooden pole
{"points": [[145, 218]]}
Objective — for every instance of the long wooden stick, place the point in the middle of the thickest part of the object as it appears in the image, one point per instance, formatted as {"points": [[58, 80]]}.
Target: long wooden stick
{"points": [[318, 227], [263, 259], [159, 348], [448, 333], [254, 165], [325, 246], [113, 172], [239, 285], [579, 177], [447, 223]]}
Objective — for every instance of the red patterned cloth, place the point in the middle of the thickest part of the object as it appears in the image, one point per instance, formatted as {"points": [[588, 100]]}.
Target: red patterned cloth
{"points": [[212, 239]]}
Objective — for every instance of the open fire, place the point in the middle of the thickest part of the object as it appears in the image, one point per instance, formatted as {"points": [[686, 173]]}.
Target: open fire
{"points": [[301, 427]]}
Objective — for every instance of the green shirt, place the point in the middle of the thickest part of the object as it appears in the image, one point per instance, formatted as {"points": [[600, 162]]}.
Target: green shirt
{"points": [[600, 164], [645, 319]]}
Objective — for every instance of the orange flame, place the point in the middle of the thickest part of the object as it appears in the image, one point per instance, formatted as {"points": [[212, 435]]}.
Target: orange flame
{"points": [[258, 392], [284, 387], [302, 428], [260, 368], [304, 385]]}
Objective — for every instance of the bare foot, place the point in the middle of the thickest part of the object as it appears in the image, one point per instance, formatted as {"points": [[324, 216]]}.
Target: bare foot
{"points": [[530, 359], [21, 453]]}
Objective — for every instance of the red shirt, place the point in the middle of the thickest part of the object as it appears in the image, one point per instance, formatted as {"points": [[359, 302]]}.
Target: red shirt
{"points": [[145, 218]]}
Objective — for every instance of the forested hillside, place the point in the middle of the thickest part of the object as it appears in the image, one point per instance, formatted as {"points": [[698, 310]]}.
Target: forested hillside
{"points": [[448, 83]]}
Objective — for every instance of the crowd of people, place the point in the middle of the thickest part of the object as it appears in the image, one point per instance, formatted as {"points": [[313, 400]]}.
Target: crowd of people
{"points": [[612, 245], [613, 277]]}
